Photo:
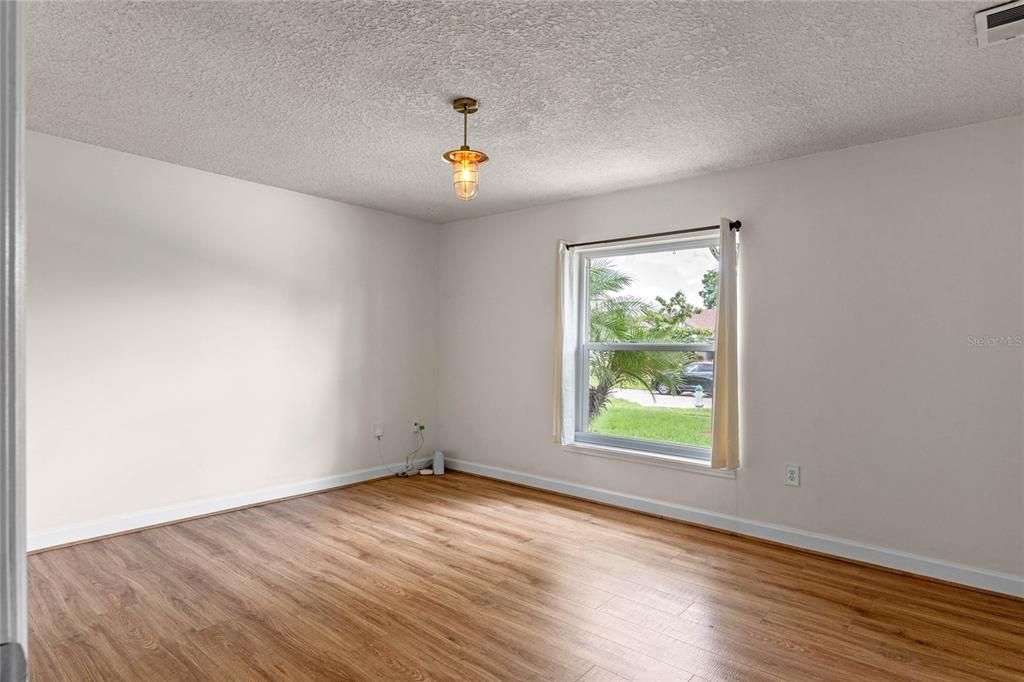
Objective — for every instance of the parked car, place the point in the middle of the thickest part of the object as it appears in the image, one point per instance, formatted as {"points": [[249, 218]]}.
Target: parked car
{"points": [[693, 374]]}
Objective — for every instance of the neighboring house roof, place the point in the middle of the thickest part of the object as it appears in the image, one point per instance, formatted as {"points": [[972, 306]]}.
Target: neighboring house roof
{"points": [[705, 319]]}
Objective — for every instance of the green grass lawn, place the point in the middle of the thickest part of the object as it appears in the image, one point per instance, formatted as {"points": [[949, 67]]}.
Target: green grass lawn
{"points": [[666, 424]]}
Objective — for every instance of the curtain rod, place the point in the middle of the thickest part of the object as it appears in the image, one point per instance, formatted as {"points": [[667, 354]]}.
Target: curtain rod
{"points": [[734, 225]]}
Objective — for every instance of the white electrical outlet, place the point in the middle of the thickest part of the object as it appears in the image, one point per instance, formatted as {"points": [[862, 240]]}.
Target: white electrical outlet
{"points": [[792, 474], [378, 430]]}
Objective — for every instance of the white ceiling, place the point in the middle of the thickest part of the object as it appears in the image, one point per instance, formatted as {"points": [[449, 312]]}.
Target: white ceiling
{"points": [[350, 100]]}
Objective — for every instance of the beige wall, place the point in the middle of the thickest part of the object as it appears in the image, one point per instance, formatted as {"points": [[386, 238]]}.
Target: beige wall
{"points": [[193, 336], [864, 273]]}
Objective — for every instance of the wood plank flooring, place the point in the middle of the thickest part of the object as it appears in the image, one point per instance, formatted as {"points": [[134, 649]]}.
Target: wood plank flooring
{"points": [[465, 578]]}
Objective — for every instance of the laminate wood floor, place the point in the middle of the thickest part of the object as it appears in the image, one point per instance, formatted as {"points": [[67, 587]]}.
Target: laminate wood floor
{"points": [[465, 578]]}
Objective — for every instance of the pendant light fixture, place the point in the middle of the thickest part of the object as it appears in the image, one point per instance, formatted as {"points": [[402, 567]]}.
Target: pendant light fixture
{"points": [[465, 161]]}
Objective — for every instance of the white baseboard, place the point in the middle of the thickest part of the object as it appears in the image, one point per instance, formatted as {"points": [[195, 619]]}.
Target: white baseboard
{"points": [[881, 556], [180, 512]]}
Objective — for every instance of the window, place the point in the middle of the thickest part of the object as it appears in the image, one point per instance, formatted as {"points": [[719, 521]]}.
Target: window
{"points": [[644, 375]]}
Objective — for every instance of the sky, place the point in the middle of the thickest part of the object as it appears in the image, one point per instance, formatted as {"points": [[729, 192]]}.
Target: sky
{"points": [[664, 273]]}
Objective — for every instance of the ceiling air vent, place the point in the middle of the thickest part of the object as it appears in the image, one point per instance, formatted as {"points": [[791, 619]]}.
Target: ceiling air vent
{"points": [[999, 24]]}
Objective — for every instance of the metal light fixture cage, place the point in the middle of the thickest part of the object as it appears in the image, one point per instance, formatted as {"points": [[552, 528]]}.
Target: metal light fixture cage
{"points": [[465, 161]]}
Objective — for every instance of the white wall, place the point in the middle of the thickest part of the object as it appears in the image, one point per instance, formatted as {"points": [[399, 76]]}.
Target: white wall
{"points": [[193, 336], [864, 272]]}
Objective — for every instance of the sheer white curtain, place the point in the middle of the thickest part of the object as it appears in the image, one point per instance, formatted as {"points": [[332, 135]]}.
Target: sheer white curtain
{"points": [[565, 346], [725, 448]]}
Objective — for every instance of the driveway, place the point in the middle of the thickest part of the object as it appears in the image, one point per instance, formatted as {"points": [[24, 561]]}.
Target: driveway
{"points": [[635, 395]]}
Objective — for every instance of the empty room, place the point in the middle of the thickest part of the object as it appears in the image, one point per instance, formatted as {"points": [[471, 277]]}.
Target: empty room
{"points": [[512, 340]]}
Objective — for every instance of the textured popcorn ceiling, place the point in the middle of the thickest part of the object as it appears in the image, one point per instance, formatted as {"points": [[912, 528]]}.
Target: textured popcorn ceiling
{"points": [[350, 100]]}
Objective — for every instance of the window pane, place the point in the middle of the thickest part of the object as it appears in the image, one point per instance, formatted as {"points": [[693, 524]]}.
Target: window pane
{"points": [[659, 396], [667, 296]]}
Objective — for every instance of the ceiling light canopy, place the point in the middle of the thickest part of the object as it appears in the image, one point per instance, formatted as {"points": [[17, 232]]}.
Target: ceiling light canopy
{"points": [[465, 161]]}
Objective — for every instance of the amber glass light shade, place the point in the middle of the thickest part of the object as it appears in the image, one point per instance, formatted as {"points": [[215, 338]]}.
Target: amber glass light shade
{"points": [[465, 164]]}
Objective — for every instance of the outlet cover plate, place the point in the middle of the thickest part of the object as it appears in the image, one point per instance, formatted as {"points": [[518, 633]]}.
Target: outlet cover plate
{"points": [[792, 474]]}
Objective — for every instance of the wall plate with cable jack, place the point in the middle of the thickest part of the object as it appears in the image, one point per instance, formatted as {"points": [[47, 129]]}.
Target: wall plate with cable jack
{"points": [[418, 427]]}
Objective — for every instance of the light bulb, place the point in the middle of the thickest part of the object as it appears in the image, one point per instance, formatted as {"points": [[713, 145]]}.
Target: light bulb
{"points": [[464, 172]]}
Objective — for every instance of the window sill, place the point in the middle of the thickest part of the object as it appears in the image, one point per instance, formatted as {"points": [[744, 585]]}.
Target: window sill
{"points": [[694, 466]]}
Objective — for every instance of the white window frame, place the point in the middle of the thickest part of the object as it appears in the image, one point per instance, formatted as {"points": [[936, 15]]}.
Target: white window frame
{"points": [[584, 347]]}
